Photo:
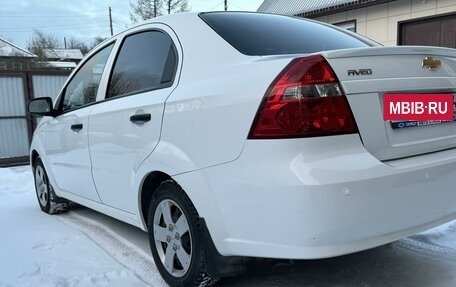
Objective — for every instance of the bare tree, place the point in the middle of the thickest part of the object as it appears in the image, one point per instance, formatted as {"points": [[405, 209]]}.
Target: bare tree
{"points": [[73, 43], [176, 6], [145, 9], [40, 41], [96, 41]]}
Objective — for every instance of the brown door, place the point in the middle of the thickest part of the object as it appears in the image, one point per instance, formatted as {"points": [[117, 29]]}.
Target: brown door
{"points": [[439, 31], [448, 33]]}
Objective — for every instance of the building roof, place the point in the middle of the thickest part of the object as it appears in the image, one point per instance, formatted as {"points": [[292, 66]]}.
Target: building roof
{"points": [[314, 8], [63, 54], [8, 49]]}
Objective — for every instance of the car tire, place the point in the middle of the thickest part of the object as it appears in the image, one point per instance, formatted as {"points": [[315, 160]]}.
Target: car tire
{"points": [[48, 201], [175, 238]]}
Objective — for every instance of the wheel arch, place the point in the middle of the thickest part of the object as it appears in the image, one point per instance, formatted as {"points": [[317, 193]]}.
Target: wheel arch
{"points": [[217, 265], [149, 185], [33, 156]]}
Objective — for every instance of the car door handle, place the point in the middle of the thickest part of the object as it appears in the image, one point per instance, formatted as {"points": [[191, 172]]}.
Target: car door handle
{"points": [[141, 118], [76, 127]]}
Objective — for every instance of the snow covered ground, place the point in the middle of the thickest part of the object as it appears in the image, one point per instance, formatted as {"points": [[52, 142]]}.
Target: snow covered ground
{"points": [[85, 248], [64, 250]]}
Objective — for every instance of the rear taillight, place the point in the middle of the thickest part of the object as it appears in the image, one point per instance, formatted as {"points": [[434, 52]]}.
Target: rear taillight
{"points": [[305, 100]]}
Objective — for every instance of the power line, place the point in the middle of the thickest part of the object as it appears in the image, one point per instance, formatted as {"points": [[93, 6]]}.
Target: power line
{"points": [[216, 6], [47, 29], [119, 23], [239, 7], [75, 25], [99, 35], [49, 12], [120, 26], [52, 16]]}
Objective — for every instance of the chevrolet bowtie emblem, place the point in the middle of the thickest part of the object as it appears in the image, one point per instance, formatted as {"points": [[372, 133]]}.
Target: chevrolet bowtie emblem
{"points": [[431, 63]]}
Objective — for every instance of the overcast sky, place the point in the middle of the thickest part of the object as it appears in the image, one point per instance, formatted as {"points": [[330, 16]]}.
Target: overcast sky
{"points": [[83, 19]]}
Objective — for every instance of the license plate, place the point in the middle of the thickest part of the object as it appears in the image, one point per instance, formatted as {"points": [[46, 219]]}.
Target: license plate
{"points": [[410, 124]]}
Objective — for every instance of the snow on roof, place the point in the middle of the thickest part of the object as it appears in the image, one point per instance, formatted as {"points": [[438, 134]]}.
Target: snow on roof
{"points": [[74, 54], [295, 7], [8, 49], [62, 65]]}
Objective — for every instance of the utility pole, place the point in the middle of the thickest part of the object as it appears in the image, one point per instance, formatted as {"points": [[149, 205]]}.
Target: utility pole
{"points": [[226, 5], [110, 21], [155, 8], [64, 42]]}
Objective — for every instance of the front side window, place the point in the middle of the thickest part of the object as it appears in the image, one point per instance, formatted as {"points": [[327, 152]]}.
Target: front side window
{"points": [[146, 61], [83, 87]]}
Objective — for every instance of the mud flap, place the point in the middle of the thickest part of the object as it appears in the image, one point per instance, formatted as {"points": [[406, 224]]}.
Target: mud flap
{"points": [[57, 204], [218, 265]]}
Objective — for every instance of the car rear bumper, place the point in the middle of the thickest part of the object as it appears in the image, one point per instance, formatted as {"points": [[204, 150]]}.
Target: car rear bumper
{"points": [[323, 197]]}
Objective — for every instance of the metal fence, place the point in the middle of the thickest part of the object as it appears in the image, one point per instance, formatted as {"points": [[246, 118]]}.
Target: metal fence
{"points": [[16, 126]]}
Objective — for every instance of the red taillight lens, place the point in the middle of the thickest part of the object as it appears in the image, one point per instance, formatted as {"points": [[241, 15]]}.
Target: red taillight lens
{"points": [[305, 100]]}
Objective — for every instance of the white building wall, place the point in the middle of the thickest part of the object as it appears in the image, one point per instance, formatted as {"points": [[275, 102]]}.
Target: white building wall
{"points": [[380, 22]]}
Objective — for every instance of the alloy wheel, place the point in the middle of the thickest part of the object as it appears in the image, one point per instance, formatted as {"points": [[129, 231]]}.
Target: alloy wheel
{"points": [[42, 189], [173, 238]]}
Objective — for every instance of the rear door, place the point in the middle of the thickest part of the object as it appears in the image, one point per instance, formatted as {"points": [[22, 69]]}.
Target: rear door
{"points": [[368, 74], [126, 127]]}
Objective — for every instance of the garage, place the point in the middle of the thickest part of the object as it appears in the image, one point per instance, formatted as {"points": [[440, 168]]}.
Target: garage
{"points": [[435, 31]]}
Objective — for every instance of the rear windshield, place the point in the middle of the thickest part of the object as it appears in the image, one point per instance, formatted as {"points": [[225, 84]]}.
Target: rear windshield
{"points": [[266, 34]]}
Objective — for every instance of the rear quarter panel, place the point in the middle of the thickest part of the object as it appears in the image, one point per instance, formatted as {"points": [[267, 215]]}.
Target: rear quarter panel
{"points": [[208, 116]]}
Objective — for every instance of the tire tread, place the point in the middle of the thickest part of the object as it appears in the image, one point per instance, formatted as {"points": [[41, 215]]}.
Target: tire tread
{"points": [[56, 204], [201, 278]]}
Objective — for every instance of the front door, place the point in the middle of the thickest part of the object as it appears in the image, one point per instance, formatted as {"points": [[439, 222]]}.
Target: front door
{"points": [[66, 135]]}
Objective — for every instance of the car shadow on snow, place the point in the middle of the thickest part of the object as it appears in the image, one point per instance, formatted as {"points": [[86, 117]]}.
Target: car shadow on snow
{"points": [[402, 263], [414, 261]]}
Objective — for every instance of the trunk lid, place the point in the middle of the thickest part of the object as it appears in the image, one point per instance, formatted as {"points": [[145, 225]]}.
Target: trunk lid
{"points": [[367, 74]]}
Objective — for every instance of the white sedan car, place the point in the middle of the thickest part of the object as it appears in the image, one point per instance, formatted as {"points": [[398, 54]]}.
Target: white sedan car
{"points": [[236, 135]]}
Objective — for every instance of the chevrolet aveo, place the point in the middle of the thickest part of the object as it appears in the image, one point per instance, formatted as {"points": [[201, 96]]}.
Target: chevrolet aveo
{"points": [[235, 135]]}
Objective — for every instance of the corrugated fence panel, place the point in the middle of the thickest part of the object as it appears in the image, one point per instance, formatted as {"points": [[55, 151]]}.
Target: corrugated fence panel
{"points": [[14, 141], [48, 85], [12, 102], [15, 124]]}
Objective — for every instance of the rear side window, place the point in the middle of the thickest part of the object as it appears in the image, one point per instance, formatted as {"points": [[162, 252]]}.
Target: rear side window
{"points": [[266, 34], [146, 61]]}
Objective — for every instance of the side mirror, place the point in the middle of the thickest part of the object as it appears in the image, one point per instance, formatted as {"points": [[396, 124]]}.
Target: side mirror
{"points": [[40, 107]]}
